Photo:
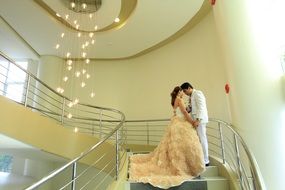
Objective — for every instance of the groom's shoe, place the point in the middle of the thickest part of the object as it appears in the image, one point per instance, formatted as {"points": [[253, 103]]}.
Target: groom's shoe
{"points": [[208, 164]]}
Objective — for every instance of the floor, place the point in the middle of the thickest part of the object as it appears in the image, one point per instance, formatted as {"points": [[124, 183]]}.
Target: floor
{"points": [[10, 181]]}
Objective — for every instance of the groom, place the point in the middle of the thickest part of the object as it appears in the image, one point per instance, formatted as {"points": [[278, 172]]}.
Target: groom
{"points": [[199, 114]]}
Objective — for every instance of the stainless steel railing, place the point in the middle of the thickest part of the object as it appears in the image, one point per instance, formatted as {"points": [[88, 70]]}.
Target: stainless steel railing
{"points": [[107, 124], [99, 165], [225, 144]]}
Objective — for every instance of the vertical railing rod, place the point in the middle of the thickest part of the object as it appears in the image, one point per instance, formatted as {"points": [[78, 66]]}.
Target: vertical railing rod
{"points": [[238, 161], [73, 183], [62, 111], [6, 80], [27, 91], [93, 128], [100, 125], [147, 133], [222, 143], [117, 155], [253, 179]]}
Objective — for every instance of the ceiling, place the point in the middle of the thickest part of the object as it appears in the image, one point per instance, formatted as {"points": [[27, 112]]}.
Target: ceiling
{"points": [[144, 25], [31, 28]]}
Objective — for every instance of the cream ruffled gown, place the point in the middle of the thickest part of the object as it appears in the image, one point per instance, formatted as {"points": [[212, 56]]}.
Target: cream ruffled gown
{"points": [[177, 158]]}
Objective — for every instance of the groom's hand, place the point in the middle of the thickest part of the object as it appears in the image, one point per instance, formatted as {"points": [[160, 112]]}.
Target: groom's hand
{"points": [[196, 123]]}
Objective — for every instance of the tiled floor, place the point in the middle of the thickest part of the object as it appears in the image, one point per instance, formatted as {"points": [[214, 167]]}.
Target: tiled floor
{"points": [[13, 181]]}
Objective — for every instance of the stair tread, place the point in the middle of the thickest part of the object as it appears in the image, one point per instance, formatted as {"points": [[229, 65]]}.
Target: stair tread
{"points": [[193, 180]]}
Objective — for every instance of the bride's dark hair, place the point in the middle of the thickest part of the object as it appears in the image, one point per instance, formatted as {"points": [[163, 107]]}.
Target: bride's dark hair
{"points": [[174, 93]]}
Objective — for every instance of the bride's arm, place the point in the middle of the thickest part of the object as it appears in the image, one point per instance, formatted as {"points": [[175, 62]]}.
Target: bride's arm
{"points": [[184, 111]]}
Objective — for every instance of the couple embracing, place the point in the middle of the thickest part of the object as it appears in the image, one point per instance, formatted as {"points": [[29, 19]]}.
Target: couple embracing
{"points": [[182, 153]]}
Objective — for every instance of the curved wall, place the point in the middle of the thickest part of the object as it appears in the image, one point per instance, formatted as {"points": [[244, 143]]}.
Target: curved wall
{"points": [[140, 87]]}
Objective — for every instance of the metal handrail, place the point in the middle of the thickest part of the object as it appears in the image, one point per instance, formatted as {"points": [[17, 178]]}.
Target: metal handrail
{"points": [[258, 183], [75, 160], [256, 175], [56, 106]]}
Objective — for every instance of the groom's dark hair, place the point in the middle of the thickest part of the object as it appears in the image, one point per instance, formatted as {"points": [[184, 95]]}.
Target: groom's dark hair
{"points": [[186, 85]]}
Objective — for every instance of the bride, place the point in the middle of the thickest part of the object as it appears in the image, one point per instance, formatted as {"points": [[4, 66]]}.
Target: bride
{"points": [[179, 155]]}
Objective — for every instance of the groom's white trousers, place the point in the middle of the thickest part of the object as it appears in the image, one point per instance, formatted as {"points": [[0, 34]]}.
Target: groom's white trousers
{"points": [[201, 130]]}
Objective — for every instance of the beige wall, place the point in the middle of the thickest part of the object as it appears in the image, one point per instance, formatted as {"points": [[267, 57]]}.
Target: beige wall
{"points": [[251, 43], [140, 87]]}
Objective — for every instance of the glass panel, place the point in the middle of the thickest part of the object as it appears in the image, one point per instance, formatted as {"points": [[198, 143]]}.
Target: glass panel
{"points": [[6, 163], [14, 81], [15, 92], [3, 74], [16, 75]]}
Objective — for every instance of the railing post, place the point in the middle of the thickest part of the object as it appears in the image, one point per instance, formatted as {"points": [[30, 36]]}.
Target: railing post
{"points": [[147, 133], [238, 161], [254, 183], [117, 155], [27, 91], [62, 110], [93, 128], [74, 166], [100, 134], [222, 143]]}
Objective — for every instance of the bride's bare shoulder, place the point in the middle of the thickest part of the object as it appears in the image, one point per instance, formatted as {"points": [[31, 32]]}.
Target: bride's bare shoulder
{"points": [[177, 102]]}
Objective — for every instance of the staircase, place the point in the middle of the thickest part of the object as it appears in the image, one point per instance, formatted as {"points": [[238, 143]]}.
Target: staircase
{"points": [[209, 180]]}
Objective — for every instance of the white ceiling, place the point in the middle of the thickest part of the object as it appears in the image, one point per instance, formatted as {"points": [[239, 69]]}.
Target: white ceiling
{"points": [[28, 31], [150, 23]]}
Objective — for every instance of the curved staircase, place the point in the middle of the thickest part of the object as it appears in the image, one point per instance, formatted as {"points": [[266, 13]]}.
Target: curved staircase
{"points": [[234, 166]]}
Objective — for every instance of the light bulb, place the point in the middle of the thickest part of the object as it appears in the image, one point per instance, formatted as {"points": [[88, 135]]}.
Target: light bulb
{"points": [[66, 17], [75, 21], [65, 78], [83, 84], [69, 68], [84, 5], [72, 4], [92, 94], [87, 76], [93, 41], [84, 54], [117, 19], [69, 115], [83, 71], [79, 34], [57, 46], [76, 101], [67, 54], [75, 129], [62, 34], [77, 73], [90, 15], [70, 104], [58, 89], [77, 26], [87, 61], [91, 34], [95, 27], [69, 62], [58, 15]]}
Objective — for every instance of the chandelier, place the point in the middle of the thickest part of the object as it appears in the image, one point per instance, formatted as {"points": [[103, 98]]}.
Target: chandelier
{"points": [[74, 45], [85, 6]]}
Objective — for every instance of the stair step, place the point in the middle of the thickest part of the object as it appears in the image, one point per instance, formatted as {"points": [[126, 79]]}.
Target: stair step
{"points": [[205, 183], [217, 183], [210, 171]]}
